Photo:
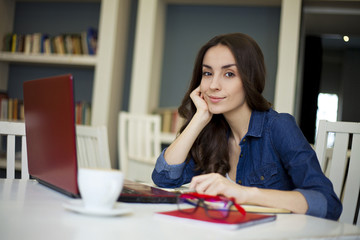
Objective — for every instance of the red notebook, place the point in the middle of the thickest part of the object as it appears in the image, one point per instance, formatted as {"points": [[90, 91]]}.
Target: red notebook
{"points": [[235, 219]]}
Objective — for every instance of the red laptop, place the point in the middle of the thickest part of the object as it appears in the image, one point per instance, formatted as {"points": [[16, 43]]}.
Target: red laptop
{"points": [[50, 134], [51, 141]]}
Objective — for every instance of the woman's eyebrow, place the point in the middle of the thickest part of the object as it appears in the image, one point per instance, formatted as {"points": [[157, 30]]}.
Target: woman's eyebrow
{"points": [[223, 67], [228, 65], [207, 66]]}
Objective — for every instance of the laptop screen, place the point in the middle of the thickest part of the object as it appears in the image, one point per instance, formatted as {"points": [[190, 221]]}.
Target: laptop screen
{"points": [[51, 141], [50, 132]]}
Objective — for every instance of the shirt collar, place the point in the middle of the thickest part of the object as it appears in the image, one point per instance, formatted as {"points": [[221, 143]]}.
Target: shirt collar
{"points": [[256, 124]]}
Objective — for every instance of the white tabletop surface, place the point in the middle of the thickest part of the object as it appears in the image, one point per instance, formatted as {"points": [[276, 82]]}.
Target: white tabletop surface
{"points": [[29, 210]]}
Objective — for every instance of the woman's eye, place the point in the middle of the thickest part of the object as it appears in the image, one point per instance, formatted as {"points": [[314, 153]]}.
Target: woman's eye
{"points": [[206, 74], [229, 74]]}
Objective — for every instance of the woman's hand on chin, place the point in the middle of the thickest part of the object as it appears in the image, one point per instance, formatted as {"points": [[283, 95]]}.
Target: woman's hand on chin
{"points": [[202, 109]]}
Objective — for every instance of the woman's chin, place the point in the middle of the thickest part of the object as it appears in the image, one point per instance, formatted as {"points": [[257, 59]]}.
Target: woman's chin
{"points": [[215, 111]]}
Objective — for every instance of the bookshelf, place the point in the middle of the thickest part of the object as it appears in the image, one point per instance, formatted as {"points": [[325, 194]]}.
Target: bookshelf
{"points": [[108, 64]]}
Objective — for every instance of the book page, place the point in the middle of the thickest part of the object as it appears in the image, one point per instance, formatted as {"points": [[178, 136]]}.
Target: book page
{"points": [[260, 209]]}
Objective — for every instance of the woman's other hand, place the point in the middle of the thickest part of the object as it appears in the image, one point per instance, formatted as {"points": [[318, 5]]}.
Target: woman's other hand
{"points": [[216, 184], [201, 105]]}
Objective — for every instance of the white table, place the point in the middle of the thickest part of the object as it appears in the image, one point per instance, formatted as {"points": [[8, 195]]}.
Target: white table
{"points": [[29, 210]]}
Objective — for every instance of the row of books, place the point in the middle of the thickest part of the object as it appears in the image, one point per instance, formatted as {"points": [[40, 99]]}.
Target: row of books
{"points": [[83, 113], [12, 109], [76, 43], [170, 120]]}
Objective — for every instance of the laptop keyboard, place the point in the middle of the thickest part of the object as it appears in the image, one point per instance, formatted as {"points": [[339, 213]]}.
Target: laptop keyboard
{"points": [[129, 191]]}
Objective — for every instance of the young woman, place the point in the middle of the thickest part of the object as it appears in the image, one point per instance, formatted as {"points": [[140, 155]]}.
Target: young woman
{"points": [[234, 144]]}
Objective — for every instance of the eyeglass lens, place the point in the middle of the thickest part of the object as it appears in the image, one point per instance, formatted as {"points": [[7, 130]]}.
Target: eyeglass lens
{"points": [[214, 208]]}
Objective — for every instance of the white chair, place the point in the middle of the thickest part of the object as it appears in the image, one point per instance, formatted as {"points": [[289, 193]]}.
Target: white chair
{"points": [[92, 147], [139, 145], [12, 130], [343, 171]]}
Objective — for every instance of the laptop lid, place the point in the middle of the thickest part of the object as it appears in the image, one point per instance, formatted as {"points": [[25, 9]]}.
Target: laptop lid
{"points": [[50, 132], [51, 141]]}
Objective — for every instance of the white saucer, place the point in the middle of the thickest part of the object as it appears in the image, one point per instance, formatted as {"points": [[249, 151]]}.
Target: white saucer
{"points": [[77, 206]]}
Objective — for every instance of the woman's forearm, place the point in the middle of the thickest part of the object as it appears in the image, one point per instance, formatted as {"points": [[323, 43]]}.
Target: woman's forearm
{"points": [[293, 201], [177, 152], [216, 184]]}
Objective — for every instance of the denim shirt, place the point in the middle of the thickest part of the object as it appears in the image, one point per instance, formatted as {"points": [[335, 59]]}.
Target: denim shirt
{"points": [[274, 155]]}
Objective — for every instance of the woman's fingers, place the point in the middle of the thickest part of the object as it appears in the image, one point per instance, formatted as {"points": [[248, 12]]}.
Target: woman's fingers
{"points": [[206, 184], [216, 184], [196, 97]]}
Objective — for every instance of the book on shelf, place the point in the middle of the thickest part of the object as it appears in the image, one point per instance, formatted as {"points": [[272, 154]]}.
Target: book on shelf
{"points": [[170, 120], [76, 44], [3, 105], [13, 42], [47, 46], [20, 42], [68, 43], [36, 43], [91, 40], [11, 108], [83, 43], [235, 220], [59, 45], [83, 113], [7, 42], [28, 43]]}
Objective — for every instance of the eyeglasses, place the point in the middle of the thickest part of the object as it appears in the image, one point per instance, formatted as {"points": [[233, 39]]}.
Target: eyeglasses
{"points": [[216, 207]]}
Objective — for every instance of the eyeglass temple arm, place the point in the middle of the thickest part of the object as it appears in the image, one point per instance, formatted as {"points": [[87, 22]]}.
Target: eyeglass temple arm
{"points": [[239, 208]]}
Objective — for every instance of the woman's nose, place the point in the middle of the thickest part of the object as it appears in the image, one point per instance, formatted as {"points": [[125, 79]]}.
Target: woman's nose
{"points": [[215, 82]]}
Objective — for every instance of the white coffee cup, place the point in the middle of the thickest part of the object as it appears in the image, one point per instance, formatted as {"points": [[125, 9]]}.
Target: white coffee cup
{"points": [[100, 188]]}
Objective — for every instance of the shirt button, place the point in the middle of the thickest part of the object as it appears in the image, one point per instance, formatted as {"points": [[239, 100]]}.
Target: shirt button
{"points": [[244, 140], [262, 178], [241, 155], [239, 181]]}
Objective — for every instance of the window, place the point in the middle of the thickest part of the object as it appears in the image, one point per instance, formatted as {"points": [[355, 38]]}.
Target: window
{"points": [[327, 110]]}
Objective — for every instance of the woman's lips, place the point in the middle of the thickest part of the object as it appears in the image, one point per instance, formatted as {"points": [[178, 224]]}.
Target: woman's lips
{"points": [[215, 99]]}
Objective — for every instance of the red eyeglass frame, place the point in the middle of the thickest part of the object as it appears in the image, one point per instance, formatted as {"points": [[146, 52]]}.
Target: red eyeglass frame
{"points": [[210, 198]]}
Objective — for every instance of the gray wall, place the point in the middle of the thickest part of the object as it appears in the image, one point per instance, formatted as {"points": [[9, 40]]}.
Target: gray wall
{"points": [[331, 71], [350, 86], [189, 27], [341, 75]]}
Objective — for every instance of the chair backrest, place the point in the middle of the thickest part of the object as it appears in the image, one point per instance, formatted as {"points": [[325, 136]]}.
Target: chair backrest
{"points": [[92, 147], [342, 164], [11, 130], [139, 144]]}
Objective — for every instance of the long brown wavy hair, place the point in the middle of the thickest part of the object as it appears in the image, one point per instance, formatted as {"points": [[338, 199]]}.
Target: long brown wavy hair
{"points": [[210, 150]]}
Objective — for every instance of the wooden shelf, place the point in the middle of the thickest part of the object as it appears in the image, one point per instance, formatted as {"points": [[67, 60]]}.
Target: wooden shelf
{"points": [[57, 59]]}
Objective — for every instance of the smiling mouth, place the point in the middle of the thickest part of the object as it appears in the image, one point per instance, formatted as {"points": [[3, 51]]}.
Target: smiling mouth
{"points": [[215, 99]]}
